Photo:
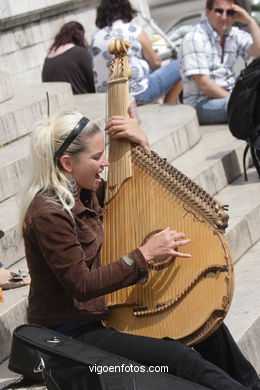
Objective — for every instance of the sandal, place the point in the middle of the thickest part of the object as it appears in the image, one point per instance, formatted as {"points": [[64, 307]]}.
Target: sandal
{"points": [[11, 279]]}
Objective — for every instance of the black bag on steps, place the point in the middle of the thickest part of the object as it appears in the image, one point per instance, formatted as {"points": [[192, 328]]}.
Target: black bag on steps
{"points": [[63, 363], [244, 112]]}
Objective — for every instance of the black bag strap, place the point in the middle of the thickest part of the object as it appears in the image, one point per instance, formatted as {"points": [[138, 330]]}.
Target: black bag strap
{"points": [[244, 160], [47, 340], [255, 160], [51, 345]]}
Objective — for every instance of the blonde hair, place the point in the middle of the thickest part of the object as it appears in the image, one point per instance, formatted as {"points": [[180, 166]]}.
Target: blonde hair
{"points": [[48, 174]]}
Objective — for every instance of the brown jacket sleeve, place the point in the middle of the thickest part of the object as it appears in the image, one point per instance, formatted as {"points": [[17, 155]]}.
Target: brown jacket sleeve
{"points": [[54, 232]]}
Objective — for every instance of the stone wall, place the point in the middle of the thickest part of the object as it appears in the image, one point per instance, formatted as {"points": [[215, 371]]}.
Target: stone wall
{"points": [[27, 29], [10, 8], [25, 38]]}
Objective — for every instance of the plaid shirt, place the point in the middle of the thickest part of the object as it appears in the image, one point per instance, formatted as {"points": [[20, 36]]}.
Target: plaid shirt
{"points": [[201, 53]]}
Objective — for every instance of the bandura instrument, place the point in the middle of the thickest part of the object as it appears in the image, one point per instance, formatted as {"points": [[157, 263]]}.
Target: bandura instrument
{"points": [[185, 299]]}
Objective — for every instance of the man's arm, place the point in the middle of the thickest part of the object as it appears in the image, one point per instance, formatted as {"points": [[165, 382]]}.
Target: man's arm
{"points": [[243, 16], [209, 87], [254, 30]]}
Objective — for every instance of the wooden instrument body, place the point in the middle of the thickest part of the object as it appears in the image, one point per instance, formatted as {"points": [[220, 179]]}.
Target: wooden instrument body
{"points": [[187, 299]]}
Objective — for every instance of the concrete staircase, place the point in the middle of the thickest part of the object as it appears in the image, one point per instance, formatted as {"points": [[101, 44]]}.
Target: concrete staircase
{"points": [[20, 109], [209, 155]]}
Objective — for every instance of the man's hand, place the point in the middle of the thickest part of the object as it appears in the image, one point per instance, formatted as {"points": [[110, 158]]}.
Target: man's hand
{"points": [[243, 16]]}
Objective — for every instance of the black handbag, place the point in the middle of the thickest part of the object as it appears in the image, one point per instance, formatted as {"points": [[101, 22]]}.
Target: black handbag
{"points": [[63, 363]]}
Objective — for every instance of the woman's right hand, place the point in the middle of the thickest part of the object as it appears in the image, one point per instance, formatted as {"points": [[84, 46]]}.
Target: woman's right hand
{"points": [[164, 243], [123, 127]]}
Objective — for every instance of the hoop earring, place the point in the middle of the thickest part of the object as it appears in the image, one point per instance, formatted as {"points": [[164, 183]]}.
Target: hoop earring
{"points": [[73, 188]]}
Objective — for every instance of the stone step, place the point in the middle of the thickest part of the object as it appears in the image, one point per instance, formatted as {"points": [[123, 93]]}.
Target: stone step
{"points": [[159, 125], [6, 88], [6, 375], [243, 318], [12, 312], [11, 245], [244, 212], [215, 161], [15, 163], [18, 114], [92, 105]]}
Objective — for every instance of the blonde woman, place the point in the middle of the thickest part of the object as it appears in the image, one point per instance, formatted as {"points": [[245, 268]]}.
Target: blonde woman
{"points": [[63, 235]]}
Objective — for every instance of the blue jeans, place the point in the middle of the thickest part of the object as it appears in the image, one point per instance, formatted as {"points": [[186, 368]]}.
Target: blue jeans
{"points": [[212, 111], [160, 82]]}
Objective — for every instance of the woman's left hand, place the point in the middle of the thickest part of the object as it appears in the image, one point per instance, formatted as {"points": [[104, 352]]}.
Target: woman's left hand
{"points": [[121, 127]]}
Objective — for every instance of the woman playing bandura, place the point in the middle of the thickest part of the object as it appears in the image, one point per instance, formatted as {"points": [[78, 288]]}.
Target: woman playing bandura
{"points": [[63, 235]]}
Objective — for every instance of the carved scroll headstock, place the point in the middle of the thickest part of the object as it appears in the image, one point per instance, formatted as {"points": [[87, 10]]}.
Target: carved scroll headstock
{"points": [[119, 68]]}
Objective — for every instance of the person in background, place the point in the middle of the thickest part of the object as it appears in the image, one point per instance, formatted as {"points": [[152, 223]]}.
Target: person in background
{"points": [[69, 59], [208, 54], [150, 81]]}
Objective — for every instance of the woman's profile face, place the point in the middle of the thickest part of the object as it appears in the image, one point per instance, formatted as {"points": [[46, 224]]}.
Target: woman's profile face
{"points": [[87, 166]]}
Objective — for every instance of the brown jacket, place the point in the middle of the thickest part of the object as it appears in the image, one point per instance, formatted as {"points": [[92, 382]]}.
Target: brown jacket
{"points": [[63, 255]]}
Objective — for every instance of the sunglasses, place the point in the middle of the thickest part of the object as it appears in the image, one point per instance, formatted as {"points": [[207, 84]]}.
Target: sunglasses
{"points": [[220, 11]]}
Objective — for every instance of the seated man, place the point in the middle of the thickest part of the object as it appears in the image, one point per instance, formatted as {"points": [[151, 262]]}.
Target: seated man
{"points": [[208, 54]]}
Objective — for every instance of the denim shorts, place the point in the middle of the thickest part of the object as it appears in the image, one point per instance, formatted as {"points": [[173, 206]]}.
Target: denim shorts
{"points": [[212, 111], [160, 82]]}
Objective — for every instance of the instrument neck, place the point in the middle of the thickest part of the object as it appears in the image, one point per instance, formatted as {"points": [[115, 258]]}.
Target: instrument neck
{"points": [[119, 151]]}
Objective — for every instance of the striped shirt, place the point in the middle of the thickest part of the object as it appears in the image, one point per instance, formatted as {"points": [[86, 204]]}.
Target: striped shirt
{"points": [[201, 53]]}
